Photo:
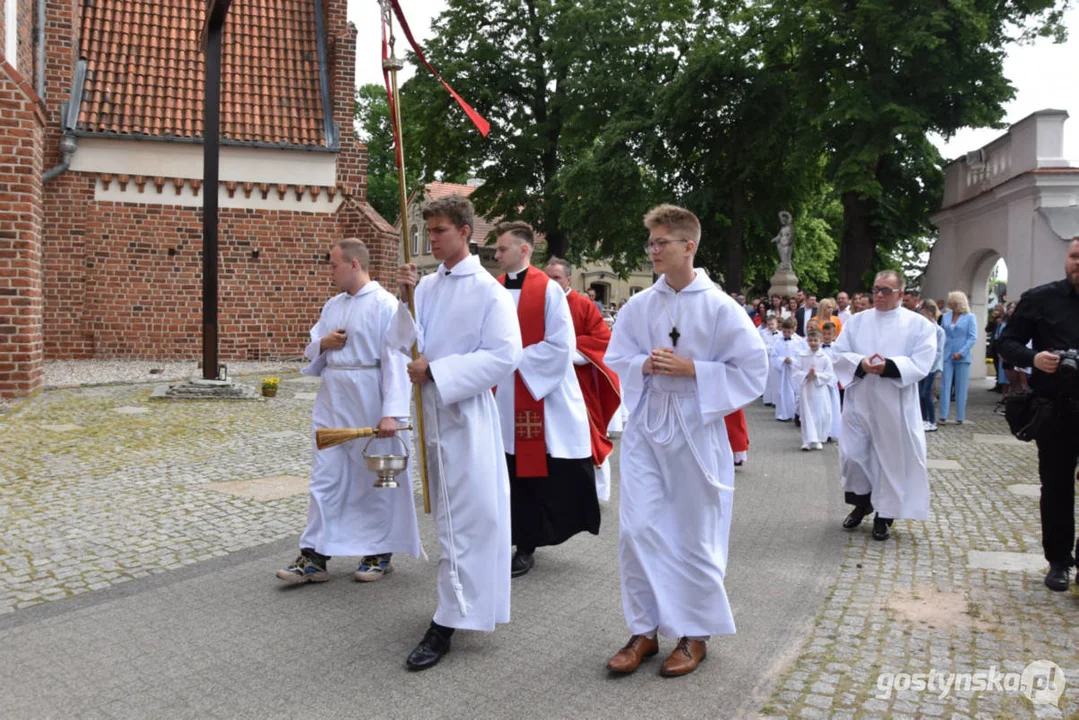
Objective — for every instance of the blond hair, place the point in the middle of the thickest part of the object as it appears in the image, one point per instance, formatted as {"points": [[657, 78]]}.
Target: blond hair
{"points": [[676, 219], [355, 249], [929, 307], [962, 305], [827, 303]]}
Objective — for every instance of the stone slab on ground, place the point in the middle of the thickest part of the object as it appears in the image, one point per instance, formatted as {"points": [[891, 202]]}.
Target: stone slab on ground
{"points": [[1007, 561], [130, 410], [996, 439], [61, 428], [262, 489], [941, 464]]}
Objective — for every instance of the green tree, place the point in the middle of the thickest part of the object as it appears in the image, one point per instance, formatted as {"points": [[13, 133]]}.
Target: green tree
{"points": [[734, 146], [372, 112], [565, 85], [877, 76]]}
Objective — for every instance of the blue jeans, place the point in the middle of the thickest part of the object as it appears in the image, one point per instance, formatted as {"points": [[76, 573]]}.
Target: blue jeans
{"points": [[925, 394], [957, 373]]}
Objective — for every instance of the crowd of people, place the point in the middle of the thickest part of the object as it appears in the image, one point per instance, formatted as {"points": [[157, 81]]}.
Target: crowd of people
{"points": [[521, 377]]}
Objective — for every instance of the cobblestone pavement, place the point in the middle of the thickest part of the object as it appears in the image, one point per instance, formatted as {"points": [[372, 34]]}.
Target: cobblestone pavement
{"points": [[100, 485], [919, 602]]}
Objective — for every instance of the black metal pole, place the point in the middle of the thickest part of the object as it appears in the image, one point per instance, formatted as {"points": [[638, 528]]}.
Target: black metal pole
{"points": [[210, 134]]}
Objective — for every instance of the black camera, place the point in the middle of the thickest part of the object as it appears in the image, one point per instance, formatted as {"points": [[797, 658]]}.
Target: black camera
{"points": [[1069, 361]]}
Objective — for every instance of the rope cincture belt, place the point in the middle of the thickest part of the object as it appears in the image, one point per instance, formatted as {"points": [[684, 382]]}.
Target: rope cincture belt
{"points": [[670, 407], [376, 366]]}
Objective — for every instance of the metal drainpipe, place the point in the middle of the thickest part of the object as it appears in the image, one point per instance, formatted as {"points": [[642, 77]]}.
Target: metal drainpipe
{"points": [[68, 145], [41, 49]]}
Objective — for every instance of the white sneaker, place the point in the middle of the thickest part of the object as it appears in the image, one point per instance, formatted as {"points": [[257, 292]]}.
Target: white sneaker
{"points": [[818, 446], [925, 426], [806, 448], [930, 427]]}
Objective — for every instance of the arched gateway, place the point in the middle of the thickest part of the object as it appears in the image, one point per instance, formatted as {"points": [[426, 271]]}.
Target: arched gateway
{"points": [[1017, 198]]}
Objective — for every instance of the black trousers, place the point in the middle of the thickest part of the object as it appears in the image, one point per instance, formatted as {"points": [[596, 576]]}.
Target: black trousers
{"points": [[863, 501], [1058, 453]]}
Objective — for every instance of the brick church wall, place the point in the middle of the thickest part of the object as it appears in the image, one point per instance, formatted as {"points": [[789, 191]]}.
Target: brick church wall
{"points": [[124, 280], [85, 278], [22, 122]]}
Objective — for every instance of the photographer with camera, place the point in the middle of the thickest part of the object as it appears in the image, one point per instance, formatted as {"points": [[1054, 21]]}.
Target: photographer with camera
{"points": [[1048, 317]]}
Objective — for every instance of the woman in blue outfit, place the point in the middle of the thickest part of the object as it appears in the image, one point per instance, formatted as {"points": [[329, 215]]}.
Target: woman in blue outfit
{"points": [[960, 332]]}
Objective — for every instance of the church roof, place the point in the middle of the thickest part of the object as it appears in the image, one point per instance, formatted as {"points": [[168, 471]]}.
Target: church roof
{"points": [[144, 72]]}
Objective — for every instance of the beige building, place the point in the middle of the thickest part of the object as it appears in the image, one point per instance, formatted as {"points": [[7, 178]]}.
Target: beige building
{"points": [[597, 275]]}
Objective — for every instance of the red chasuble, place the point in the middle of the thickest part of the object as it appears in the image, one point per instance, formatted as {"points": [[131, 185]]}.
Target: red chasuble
{"points": [[530, 447], [599, 384], [737, 431]]}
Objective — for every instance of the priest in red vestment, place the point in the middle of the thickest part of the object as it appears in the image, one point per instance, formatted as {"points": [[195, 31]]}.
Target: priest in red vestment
{"points": [[599, 384], [544, 421]]}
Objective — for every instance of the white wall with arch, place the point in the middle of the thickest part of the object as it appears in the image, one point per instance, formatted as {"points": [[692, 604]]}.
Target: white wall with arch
{"points": [[1015, 199]]}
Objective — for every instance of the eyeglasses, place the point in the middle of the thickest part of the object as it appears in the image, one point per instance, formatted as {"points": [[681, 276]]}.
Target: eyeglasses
{"points": [[654, 246], [885, 291]]}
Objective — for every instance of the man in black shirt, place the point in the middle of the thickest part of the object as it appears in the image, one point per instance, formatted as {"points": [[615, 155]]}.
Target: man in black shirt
{"points": [[1048, 317]]}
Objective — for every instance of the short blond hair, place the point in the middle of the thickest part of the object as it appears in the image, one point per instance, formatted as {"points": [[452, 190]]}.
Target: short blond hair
{"points": [[962, 305], [929, 307], [355, 249], [676, 219]]}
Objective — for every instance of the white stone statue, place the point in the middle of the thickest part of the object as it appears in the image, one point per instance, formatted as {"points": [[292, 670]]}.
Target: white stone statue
{"points": [[784, 241]]}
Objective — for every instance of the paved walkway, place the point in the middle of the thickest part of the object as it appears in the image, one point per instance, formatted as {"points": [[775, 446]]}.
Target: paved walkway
{"points": [[138, 541]]}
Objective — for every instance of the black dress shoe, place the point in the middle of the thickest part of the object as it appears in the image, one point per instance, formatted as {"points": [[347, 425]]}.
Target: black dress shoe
{"points": [[880, 528], [1057, 577], [854, 519], [521, 564], [428, 652]]}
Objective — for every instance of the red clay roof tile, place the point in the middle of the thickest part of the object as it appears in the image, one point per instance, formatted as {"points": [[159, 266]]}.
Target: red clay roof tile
{"points": [[145, 70]]}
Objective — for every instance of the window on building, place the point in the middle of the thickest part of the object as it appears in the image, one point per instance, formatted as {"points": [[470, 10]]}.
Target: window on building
{"points": [[634, 290], [415, 241], [11, 32], [426, 242]]}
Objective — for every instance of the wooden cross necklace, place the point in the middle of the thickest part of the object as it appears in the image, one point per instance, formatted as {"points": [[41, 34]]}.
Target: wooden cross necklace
{"points": [[674, 334]]}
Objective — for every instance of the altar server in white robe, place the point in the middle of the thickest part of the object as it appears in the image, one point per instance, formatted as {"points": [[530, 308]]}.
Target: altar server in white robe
{"points": [[784, 352], [814, 377], [545, 428], [687, 355], [469, 341], [881, 355], [769, 333], [828, 333], [364, 384]]}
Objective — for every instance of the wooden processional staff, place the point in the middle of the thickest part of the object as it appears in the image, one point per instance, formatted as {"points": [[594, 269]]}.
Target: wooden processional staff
{"points": [[391, 64]]}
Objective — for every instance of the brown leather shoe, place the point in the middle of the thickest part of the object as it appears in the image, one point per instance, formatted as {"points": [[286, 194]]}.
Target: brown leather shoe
{"points": [[685, 658], [630, 657]]}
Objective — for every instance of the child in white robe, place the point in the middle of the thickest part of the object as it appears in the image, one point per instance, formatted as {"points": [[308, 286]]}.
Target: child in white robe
{"points": [[783, 353], [769, 332], [813, 375], [827, 339]]}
